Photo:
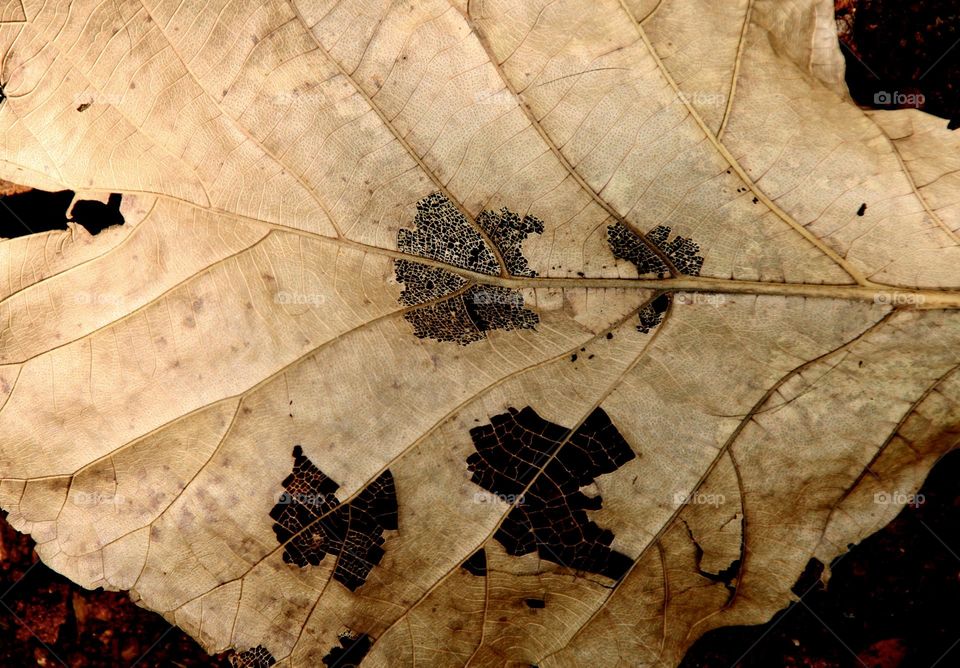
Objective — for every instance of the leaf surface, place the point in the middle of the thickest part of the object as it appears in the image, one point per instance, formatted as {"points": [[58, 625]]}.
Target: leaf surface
{"points": [[446, 333]]}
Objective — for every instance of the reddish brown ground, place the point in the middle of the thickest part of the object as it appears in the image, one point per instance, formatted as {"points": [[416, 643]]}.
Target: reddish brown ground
{"points": [[905, 46], [47, 621], [7, 188]]}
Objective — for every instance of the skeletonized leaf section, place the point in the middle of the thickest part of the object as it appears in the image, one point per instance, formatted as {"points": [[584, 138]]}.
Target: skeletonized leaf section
{"points": [[508, 231], [311, 522], [255, 657], [683, 253], [449, 310], [540, 467]]}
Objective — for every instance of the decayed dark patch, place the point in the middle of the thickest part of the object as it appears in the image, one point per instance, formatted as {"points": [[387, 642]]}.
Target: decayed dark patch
{"points": [[423, 283], [97, 216], [311, 522], [457, 315], [444, 234], [256, 657], [651, 315], [683, 252], [477, 563], [507, 231], [628, 246], [468, 317], [550, 518], [351, 651], [535, 603], [36, 211]]}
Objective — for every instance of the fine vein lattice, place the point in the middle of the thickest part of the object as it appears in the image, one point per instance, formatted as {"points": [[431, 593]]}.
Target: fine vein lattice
{"points": [[443, 233], [520, 449], [651, 315], [683, 252], [423, 283], [507, 231], [256, 657], [467, 318], [461, 314], [311, 522]]}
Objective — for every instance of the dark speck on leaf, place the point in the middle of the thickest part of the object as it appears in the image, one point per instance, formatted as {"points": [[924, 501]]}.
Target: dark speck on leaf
{"points": [[862, 210], [535, 603], [83, 107], [573, 357]]}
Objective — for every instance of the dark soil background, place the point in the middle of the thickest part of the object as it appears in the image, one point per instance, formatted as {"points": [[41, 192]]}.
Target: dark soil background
{"points": [[909, 47], [46, 620], [892, 600]]}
